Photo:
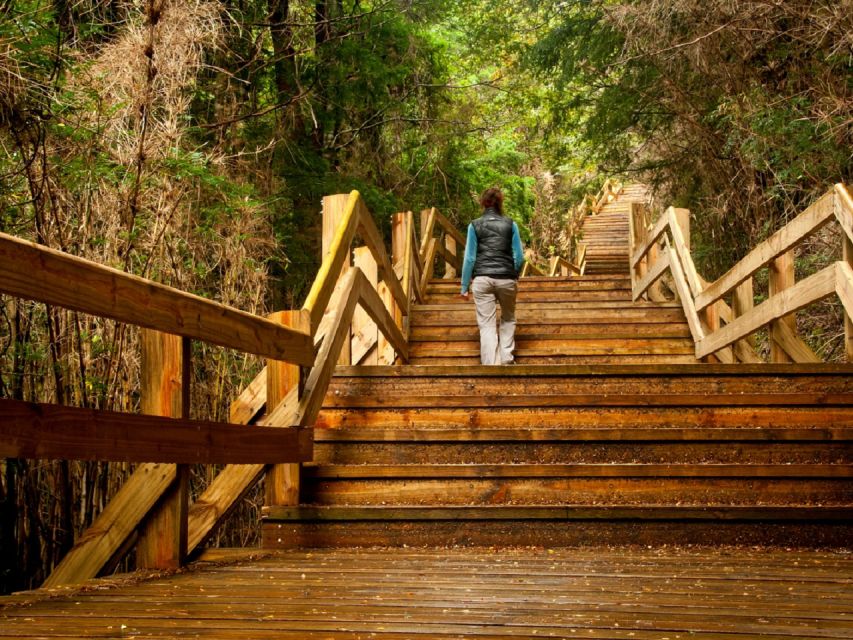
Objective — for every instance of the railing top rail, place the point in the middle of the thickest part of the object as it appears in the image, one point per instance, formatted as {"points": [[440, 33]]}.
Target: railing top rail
{"points": [[35, 272]]}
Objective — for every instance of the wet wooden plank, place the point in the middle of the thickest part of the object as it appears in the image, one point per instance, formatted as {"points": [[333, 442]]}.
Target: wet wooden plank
{"points": [[710, 594]]}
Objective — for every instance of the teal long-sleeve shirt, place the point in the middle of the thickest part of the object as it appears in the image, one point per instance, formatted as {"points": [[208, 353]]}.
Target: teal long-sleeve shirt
{"points": [[471, 254]]}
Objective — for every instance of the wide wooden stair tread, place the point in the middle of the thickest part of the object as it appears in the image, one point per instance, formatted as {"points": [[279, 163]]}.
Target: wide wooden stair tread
{"points": [[606, 430], [575, 320]]}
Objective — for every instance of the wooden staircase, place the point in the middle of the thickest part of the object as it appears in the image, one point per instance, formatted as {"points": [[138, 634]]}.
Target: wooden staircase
{"points": [[607, 431], [606, 233]]}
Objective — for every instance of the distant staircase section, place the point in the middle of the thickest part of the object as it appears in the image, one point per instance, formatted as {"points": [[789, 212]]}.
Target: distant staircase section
{"points": [[605, 234]]}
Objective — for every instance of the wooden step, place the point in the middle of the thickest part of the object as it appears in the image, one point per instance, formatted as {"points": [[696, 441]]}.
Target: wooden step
{"points": [[530, 386], [625, 330], [646, 422], [559, 346], [556, 526], [557, 359]]}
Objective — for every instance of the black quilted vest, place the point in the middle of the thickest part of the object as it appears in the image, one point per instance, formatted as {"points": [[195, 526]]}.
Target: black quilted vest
{"points": [[494, 246]]}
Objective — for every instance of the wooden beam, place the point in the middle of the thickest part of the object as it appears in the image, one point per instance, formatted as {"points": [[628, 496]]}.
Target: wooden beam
{"points": [[249, 404], [56, 432], [843, 206], [398, 249], [802, 294], [646, 240], [652, 276], [801, 227], [844, 215], [333, 262], [427, 226], [283, 480], [453, 264], [321, 373], [781, 277], [164, 391], [365, 333], [793, 345], [429, 264], [114, 525], [452, 231], [743, 301], [682, 247], [844, 289], [373, 239], [221, 496], [371, 304], [683, 290], [35, 272]]}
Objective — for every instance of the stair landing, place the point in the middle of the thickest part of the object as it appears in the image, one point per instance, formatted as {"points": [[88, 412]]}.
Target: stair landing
{"points": [[602, 593]]}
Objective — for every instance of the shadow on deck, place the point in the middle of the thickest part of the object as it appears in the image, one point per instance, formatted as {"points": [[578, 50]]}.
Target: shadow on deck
{"points": [[459, 593]]}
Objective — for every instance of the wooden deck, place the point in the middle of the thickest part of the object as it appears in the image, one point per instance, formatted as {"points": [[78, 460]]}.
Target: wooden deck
{"points": [[661, 593]]}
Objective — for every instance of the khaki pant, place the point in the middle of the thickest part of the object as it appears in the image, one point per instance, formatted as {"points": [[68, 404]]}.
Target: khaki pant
{"points": [[496, 345]]}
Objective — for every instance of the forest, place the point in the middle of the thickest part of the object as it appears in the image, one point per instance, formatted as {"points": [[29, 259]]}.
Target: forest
{"points": [[191, 142]]}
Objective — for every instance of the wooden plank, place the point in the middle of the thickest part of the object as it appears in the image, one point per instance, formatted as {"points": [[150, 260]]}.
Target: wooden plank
{"points": [[844, 289], [333, 263], [650, 238], [35, 272], [789, 236], [453, 253], [559, 512], [843, 209], [743, 300], [221, 496], [680, 242], [631, 434], [812, 289], [398, 249], [45, 431], [657, 270], [282, 480], [453, 232], [427, 227], [312, 396], [114, 524], [429, 263], [579, 470], [164, 391], [249, 404], [844, 215], [683, 290], [592, 371], [365, 333], [371, 303], [793, 345], [373, 239], [452, 264], [781, 277]]}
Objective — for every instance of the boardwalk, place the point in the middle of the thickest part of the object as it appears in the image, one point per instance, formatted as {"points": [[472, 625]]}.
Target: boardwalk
{"points": [[661, 593]]}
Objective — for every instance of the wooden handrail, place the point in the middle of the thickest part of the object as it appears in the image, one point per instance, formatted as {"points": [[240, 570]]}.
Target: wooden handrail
{"points": [[35, 272], [704, 303], [320, 344]]}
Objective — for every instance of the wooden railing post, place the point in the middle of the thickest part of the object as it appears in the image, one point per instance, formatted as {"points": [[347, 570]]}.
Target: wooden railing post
{"points": [[451, 246], [781, 278], [398, 248], [334, 208], [743, 301], [639, 233], [364, 331], [165, 391], [848, 321], [282, 481]]}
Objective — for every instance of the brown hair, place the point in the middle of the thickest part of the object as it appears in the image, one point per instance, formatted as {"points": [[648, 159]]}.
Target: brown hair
{"points": [[492, 197]]}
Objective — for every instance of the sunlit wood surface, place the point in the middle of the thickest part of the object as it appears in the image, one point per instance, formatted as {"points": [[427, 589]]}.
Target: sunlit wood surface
{"points": [[719, 593]]}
